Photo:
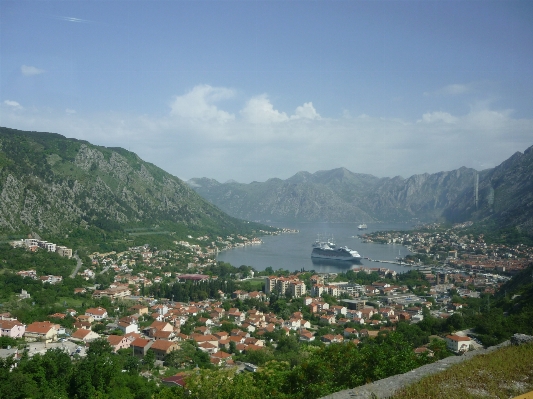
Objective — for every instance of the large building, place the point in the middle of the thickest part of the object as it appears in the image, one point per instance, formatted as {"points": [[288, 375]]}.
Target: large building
{"points": [[283, 285], [297, 289]]}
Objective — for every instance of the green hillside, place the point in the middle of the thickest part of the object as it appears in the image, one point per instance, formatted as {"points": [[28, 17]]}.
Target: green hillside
{"points": [[72, 190]]}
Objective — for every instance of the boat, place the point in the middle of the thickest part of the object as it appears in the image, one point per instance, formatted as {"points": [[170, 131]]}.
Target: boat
{"points": [[328, 250], [362, 226]]}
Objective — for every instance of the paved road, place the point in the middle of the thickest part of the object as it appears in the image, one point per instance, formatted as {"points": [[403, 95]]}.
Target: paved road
{"points": [[78, 265]]}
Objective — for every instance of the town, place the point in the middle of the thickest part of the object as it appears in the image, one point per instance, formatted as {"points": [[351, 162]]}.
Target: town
{"points": [[121, 300]]}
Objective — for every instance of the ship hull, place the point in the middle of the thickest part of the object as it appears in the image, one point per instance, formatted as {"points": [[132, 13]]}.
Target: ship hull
{"points": [[334, 255]]}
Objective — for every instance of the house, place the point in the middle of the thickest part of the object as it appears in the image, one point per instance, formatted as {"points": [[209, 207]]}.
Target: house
{"points": [[112, 293], [85, 319], [161, 348], [422, 349], [12, 329], [175, 380], [98, 313], [159, 326], [458, 344], [208, 347], [166, 335], [240, 295], [327, 319], [339, 310], [141, 346], [306, 336], [139, 309], [42, 331], [82, 324], [330, 338], [367, 313], [351, 332], [84, 335], [127, 328], [220, 358], [200, 338], [161, 309], [118, 342]]}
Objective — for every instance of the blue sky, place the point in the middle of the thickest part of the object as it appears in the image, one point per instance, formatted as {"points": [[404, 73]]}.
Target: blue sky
{"points": [[249, 90]]}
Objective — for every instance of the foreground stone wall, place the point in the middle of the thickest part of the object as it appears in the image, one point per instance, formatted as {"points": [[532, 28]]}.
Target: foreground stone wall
{"points": [[386, 387]]}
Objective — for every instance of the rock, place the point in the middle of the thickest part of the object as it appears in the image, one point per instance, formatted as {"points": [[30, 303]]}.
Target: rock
{"points": [[519, 339]]}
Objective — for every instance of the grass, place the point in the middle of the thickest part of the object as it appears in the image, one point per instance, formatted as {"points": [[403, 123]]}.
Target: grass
{"points": [[505, 373], [256, 283], [71, 302]]}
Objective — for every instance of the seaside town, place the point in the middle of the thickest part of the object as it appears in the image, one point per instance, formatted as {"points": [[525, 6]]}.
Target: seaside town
{"points": [[318, 309]]}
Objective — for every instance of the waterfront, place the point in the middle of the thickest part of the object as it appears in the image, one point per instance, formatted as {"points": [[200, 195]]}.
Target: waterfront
{"points": [[292, 251]]}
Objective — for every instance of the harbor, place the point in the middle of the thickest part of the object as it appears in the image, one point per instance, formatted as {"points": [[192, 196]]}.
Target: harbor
{"points": [[293, 251]]}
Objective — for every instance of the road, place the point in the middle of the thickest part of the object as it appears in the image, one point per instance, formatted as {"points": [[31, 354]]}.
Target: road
{"points": [[78, 265]]}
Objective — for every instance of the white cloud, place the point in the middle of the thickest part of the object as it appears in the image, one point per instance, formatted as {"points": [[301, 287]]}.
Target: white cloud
{"points": [[452, 90], [70, 111], [306, 111], [455, 89], [438, 116], [12, 103], [73, 19], [261, 111], [262, 142], [198, 104], [30, 70]]}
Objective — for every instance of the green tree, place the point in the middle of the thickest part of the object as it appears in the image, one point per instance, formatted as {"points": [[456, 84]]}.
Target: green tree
{"points": [[149, 360]]}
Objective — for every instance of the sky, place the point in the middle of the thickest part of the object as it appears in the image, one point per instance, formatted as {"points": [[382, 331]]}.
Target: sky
{"points": [[252, 90]]}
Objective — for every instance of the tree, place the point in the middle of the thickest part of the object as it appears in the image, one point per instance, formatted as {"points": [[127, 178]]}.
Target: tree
{"points": [[98, 328], [182, 357], [222, 384], [149, 360], [439, 349]]}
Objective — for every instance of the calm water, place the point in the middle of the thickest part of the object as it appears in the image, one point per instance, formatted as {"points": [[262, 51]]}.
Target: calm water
{"points": [[293, 251]]}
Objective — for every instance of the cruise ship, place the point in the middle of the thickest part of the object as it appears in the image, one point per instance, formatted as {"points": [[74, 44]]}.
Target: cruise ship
{"points": [[328, 250], [362, 226]]}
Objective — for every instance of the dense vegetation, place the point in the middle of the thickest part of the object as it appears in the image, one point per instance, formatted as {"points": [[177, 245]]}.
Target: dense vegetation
{"points": [[54, 375], [100, 374]]}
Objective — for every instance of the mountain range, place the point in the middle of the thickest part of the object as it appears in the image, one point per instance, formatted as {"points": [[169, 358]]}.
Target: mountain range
{"points": [[54, 185], [504, 196]]}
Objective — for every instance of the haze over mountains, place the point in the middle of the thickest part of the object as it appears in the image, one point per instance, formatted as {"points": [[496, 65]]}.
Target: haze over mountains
{"points": [[505, 196]]}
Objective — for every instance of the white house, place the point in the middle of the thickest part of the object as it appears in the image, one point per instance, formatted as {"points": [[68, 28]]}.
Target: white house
{"points": [[97, 313], [458, 344]]}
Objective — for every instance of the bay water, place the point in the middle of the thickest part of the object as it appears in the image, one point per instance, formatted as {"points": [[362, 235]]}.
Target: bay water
{"points": [[292, 251]]}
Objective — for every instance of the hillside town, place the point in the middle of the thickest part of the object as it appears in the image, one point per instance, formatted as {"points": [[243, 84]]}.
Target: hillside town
{"points": [[317, 309], [452, 249]]}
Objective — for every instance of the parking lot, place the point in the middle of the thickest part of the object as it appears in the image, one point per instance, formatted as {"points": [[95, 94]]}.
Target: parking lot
{"points": [[41, 347]]}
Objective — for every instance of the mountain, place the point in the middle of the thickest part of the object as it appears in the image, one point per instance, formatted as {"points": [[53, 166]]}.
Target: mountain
{"points": [[505, 196], [338, 195], [51, 184]]}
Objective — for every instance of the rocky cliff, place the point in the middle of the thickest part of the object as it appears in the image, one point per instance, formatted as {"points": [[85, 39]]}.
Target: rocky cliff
{"points": [[339, 196], [49, 183], [505, 196]]}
